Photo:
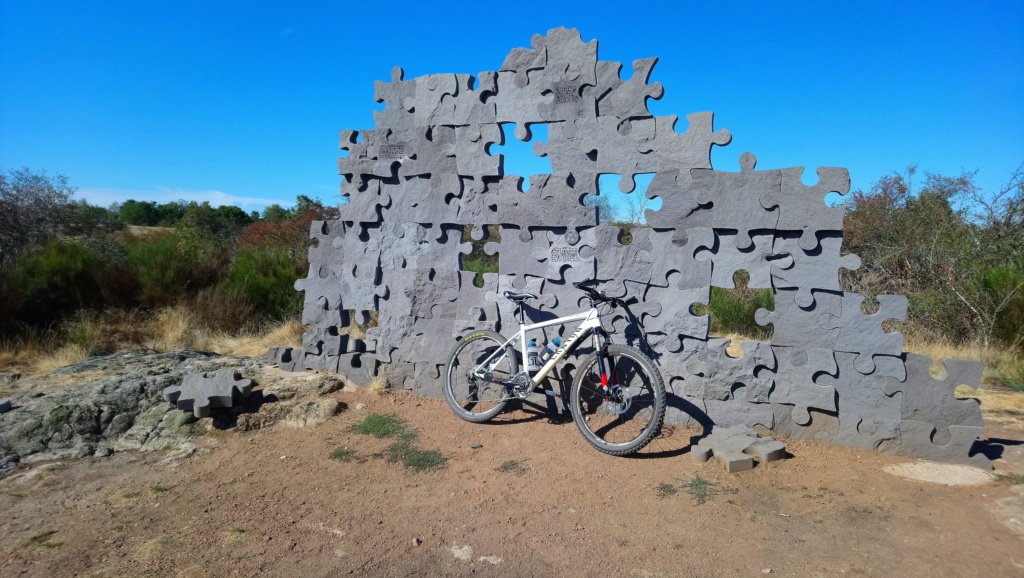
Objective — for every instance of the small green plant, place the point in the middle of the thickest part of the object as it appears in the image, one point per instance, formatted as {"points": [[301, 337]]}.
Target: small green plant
{"points": [[1011, 375], [700, 489], [159, 488], [402, 450], [237, 530], [424, 460], [44, 540], [1012, 478], [666, 490], [379, 425], [342, 454], [512, 467]]}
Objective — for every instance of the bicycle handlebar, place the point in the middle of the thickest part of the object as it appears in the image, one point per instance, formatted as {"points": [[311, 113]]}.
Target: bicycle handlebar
{"points": [[595, 295]]}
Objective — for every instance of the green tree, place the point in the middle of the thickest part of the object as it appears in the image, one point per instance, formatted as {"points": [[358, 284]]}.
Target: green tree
{"points": [[33, 208]]}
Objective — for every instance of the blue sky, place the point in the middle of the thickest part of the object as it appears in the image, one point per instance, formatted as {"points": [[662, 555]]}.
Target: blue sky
{"points": [[241, 102]]}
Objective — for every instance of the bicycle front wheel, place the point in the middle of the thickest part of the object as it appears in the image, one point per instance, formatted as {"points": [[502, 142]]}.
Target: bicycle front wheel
{"points": [[625, 417], [470, 397]]}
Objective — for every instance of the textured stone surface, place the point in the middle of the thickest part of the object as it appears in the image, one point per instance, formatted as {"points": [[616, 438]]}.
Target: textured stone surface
{"points": [[737, 447], [424, 177]]}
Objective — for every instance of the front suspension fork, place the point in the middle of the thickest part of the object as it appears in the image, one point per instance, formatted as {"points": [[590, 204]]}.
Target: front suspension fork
{"points": [[600, 349]]}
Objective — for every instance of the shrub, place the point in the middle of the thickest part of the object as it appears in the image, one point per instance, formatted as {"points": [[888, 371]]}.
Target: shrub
{"points": [[266, 280]]}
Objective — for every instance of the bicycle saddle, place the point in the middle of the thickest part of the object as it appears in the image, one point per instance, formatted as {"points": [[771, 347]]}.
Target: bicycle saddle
{"points": [[519, 297]]}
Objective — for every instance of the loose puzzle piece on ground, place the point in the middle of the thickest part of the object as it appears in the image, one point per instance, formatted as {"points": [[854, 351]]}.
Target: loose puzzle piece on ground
{"points": [[200, 392]]}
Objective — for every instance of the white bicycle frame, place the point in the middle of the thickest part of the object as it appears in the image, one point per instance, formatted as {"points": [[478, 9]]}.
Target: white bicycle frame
{"points": [[590, 319]]}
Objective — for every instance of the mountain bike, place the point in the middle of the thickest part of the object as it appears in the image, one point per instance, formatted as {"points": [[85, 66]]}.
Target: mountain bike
{"points": [[617, 398]]}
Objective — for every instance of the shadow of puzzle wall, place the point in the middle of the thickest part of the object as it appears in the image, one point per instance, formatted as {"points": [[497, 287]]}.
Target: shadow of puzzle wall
{"points": [[424, 173]]}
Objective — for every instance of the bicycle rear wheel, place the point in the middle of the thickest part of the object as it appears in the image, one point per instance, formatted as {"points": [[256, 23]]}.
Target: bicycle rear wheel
{"points": [[627, 416], [472, 398]]}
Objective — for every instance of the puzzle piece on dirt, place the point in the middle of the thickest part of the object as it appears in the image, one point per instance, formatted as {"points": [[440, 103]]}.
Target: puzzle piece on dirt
{"points": [[862, 333], [795, 381], [285, 358], [200, 392], [920, 439], [736, 447]]}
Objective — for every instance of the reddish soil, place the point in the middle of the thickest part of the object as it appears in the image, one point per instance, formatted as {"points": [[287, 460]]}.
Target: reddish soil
{"points": [[273, 502]]}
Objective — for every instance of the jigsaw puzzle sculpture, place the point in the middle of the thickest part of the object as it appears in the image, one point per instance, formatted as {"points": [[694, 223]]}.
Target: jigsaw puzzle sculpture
{"points": [[424, 174]]}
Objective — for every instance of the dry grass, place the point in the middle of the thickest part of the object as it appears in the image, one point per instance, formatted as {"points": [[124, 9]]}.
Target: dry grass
{"points": [[167, 330], [380, 383]]}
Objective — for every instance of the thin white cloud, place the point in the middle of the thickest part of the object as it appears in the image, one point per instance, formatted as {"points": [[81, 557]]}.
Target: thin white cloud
{"points": [[105, 197]]}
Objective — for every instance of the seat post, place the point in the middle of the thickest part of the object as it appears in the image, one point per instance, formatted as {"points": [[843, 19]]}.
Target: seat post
{"points": [[522, 318]]}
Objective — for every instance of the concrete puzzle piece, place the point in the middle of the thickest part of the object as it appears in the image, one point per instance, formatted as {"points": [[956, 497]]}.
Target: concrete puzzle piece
{"points": [[933, 401], [736, 447], [868, 415], [473, 106], [520, 61], [677, 317], [470, 150], [568, 58], [626, 99], [517, 104], [285, 358], [727, 258], [680, 209], [428, 103], [807, 270], [616, 146], [671, 150], [567, 155], [200, 392], [565, 103], [803, 208], [394, 94], [918, 439], [862, 333], [795, 381], [548, 195], [719, 376], [420, 199], [364, 206], [736, 198], [796, 326]]}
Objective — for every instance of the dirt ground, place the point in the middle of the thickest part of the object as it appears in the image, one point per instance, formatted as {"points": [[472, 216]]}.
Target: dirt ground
{"points": [[273, 502]]}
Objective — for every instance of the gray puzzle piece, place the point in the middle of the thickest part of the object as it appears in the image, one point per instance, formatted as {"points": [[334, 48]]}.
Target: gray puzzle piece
{"points": [[394, 95], [670, 150], [680, 209], [723, 377], [803, 208], [807, 270], [727, 259], [736, 198], [933, 401], [862, 333], [868, 415], [628, 99], [736, 447], [797, 326], [795, 381], [199, 392], [918, 439]]}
